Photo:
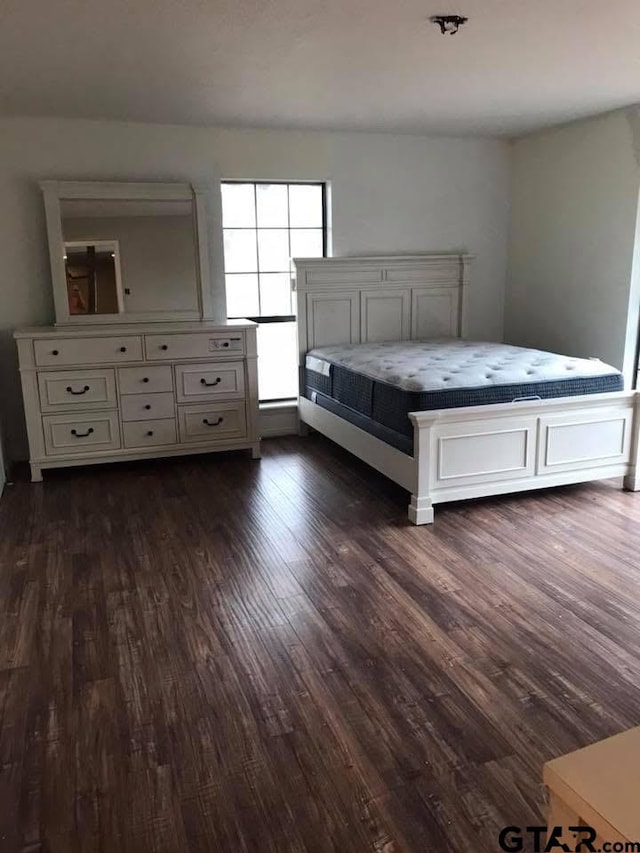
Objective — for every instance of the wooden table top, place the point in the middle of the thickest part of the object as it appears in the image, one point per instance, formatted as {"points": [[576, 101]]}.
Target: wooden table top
{"points": [[606, 778]]}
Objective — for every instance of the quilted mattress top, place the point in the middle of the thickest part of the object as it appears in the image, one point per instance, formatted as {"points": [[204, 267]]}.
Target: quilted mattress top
{"points": [[437, 365]]}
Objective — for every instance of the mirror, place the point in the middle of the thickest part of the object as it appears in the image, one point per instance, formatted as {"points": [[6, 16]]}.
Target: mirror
{"points": [[127, 252]]}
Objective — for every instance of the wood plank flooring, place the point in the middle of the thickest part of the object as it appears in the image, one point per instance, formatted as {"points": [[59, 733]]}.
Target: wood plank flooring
{"points": [[215, 654]]}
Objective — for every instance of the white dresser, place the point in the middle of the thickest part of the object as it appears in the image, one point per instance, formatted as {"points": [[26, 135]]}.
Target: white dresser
{"points": [[134, 391]]}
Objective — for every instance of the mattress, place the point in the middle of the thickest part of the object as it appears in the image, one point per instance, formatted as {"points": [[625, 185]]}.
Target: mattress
{"points": [[383, 382]]}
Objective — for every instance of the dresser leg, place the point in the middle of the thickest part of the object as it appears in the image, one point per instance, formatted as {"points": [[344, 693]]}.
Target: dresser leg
{"points": [[255, 451], [36, 473]]}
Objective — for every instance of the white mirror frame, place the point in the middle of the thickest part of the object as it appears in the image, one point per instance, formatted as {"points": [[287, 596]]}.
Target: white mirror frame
{"points": [[57, 191]]}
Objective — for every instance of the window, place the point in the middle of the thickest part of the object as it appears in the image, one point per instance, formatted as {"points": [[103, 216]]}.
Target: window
{"points": [[264, 226]]}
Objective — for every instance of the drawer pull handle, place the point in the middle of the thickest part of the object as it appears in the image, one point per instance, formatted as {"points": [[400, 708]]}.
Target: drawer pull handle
{"points": [[148, 406], [146, 379], [212, 423], [55, 352], [164, 346], [82, 434], [123, 349], [203, 381], [83, 391], [150, 433], [225, 344]]}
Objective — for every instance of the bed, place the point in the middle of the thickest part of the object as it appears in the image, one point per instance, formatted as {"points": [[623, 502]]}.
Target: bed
{"points": [[387, 372]]}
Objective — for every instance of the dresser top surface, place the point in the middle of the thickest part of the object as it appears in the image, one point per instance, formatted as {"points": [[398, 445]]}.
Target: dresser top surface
{"points": [[98, 331]]}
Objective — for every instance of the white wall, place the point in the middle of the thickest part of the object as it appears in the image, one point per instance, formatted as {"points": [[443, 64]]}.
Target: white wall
{"points": [[389, 194], [572, 283]]}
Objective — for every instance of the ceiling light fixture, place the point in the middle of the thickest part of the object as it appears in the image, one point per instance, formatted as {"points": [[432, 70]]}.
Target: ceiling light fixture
{"points": [[448, 23]]}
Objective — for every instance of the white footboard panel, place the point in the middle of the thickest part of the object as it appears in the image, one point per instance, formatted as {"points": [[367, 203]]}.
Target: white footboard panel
{"points": [[574, 441], [483, 450]]}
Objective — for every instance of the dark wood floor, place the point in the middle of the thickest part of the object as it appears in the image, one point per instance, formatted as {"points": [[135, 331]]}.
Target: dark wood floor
{"points": [[215, 654]]}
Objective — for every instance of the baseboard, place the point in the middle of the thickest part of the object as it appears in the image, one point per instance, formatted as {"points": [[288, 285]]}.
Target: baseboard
{"points": [[278, 419]]}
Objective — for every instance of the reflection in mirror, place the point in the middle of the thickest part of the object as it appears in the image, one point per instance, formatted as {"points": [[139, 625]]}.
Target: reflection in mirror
{"points": [[93, 277], [155, 261]]}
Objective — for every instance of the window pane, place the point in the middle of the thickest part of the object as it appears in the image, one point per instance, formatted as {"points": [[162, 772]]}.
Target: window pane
{"points": [[272, 205], [275, 294], [277, 361], [240, 251], [305, 206], [273, 248], [238, 206], [306, 244], [242, 296]]}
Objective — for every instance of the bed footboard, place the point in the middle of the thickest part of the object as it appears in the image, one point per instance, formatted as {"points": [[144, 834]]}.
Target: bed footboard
{"points": [[488, 450]]}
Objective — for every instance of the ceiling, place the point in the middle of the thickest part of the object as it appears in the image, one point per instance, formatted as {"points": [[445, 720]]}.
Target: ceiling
{"points": [[515, 66]]}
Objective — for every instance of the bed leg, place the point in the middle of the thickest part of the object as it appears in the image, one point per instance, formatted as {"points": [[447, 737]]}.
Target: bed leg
{"points": [[631, 482], [420, 510]]}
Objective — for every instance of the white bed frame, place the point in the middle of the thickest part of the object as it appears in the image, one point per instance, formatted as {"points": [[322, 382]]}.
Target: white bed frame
{"points": [[466, 452]]}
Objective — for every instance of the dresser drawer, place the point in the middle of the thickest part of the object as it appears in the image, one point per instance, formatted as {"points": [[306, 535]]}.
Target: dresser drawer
{"points": [[145, 380], [144, 407], [204, 381], [149, 433], [212, 421], [66, 434], [87, 350], [77, 389], [198, 345]]}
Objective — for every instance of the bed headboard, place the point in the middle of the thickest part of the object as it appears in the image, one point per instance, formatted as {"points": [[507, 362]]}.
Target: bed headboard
{"points": [[398, 297]]}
